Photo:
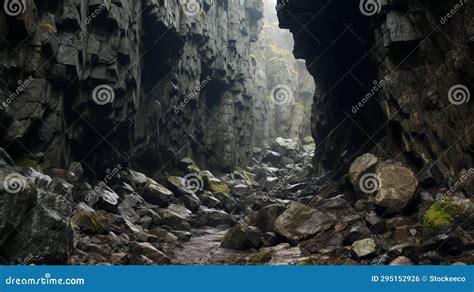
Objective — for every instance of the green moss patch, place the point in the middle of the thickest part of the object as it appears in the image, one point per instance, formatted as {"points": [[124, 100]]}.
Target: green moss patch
{"points": [[440, 215], [25, 163], [261, 257]]}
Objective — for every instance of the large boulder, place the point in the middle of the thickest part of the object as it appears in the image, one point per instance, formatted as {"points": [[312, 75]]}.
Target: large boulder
{"points": [[135, 178], [38, 209], [213, 217], [361, 166], [17, 198], [156, 194], [107, 199], [228, 203], [265, 217], [284, 146], [176, 217], [192, 202], [178, 185], [398, 185], [242, 237], [300, 222], [209, 200], [215, 185]]}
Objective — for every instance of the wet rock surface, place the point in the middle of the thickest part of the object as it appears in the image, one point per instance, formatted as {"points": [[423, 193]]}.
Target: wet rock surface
{"points": [[385, 180], [252, 220]]}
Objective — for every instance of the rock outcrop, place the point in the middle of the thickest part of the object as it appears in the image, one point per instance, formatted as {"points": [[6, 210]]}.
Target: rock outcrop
{"points": [[123, 82], [127, 131], [393, 77], [284, 88]]}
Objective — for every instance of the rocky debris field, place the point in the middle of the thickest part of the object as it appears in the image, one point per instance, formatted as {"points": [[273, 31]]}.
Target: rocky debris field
{"points": [[273, 212]]}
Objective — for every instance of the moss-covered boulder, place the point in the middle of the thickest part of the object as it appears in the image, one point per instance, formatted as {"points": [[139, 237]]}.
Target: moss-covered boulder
{"points": [[242, 237], [261, 258], [309, 261], [215, 185], [446, 213], [135, 178], [157, 194], [91, 222], [25, 163], [300, 222], [187, 165]]}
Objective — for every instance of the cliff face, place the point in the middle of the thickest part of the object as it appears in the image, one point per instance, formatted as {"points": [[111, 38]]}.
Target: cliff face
{"points": [[282, 101], [91, 81], [394, 79]]}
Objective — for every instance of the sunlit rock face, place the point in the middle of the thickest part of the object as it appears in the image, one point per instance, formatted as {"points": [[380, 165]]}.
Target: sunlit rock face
{"points": [[130, 82], [394, 78], [285, 89]]}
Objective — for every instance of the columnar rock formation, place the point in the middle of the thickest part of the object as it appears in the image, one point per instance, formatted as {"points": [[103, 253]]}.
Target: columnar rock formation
{"points": [[119, 119], [129, 82], [394, 78]]}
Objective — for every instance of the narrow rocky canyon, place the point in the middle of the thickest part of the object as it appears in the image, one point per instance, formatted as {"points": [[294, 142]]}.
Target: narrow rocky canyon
{"points": [[236, 132]]}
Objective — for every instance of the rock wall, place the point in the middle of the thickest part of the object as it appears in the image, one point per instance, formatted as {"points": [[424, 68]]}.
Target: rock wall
{"points": [[282, 101], [140, 83], [395, 78]]}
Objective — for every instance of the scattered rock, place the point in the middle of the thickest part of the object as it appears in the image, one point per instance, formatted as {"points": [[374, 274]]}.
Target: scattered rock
{"points": [[361, 165], [242, 237], [364, 248], [192, 202], [299, 222], [92, 222], [213, 217], [265, 217], [397, 187], [150, 252], [401, 261], [209, 200], [176, 217]]}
